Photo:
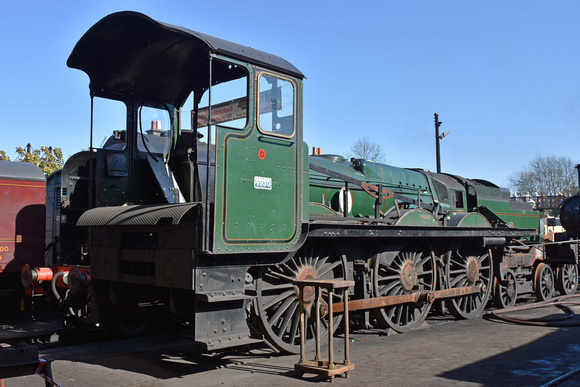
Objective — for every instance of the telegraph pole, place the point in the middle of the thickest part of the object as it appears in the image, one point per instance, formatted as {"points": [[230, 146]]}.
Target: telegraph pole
{"points": [[437, 138]]}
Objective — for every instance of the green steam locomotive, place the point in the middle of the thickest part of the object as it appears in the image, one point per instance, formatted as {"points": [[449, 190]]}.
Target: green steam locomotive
{"points": [[205, 204]]}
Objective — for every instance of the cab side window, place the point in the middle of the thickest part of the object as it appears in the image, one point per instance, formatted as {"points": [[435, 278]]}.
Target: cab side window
{"points": [[229, 98], [276, 106], [442, 191], [457, 199]]}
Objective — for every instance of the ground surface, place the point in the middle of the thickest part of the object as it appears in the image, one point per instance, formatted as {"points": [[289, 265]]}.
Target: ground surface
{"points": [[476, 352]]}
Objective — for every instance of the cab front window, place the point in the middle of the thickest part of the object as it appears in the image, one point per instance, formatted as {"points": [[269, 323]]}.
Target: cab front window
{"points": [[154, 130], [110, 119]]}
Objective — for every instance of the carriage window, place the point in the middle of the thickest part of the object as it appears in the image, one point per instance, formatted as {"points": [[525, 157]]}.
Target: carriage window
{"points": [[109, 124], [276, 106]]}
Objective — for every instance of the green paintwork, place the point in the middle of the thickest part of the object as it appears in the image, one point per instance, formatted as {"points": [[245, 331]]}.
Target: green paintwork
{"points": [[408, 182], [321, 209], [328, 190], [498, 200], [472, 219], [249, 218], [418, 217], [513, 217]]}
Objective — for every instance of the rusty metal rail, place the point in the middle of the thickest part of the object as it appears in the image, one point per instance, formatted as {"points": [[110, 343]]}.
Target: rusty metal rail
{"points": [[421, 296]]}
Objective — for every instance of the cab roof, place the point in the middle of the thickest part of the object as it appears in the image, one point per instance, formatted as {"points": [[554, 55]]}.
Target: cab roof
{"points": [[130, 54]]}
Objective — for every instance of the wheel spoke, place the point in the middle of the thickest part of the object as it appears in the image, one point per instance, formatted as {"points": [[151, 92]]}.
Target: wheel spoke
{"points": [[286, 269], [321, 263], [288, 317], [389, 278], [280, 297], [279, 276], [330, 267], [396, 290], [426, 273], [276, 288], [387, 289], [281, 309], [399, 313], [422, 262], [294, 330], [458, 281]]}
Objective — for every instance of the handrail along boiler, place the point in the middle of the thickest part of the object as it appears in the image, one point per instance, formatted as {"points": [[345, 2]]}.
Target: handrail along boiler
{"points": [[204, 201]]}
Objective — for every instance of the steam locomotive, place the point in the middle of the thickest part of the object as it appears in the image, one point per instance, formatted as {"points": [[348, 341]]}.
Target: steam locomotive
{"points": [[203, 202]]}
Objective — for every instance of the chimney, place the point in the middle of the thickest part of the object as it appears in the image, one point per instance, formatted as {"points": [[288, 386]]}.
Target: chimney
{"points": [[155, 128]]}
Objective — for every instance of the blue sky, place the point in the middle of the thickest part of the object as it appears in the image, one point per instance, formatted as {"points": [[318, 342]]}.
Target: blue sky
{"points": [[504, 76]]}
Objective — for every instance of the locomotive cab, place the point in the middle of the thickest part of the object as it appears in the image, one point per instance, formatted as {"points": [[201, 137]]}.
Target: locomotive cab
{"points": [[182, 105], [201, 157]]}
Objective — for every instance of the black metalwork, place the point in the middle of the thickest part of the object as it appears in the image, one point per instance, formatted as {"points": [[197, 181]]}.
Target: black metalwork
{"points": [[379, 201]]}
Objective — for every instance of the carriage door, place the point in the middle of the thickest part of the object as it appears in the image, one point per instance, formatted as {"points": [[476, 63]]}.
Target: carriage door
{"points": [[257, 178]]}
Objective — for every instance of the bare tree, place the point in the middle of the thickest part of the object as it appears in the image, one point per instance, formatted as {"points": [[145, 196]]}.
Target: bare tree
{"points": [[363, 148], [548, 175]]}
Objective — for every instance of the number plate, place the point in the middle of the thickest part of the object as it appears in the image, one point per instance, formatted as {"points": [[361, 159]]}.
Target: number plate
{"points": [[262, 183]]}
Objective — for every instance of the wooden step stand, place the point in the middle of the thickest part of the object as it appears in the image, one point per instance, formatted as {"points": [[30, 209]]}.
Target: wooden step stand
{"points": [[327, 367]]}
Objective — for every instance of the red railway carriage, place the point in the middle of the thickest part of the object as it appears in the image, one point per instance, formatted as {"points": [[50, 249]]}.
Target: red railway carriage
{"points": [[22, 213]]}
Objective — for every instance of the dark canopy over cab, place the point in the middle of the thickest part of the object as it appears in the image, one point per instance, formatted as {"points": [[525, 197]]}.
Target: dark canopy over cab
{"points": [[128, 53]]}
